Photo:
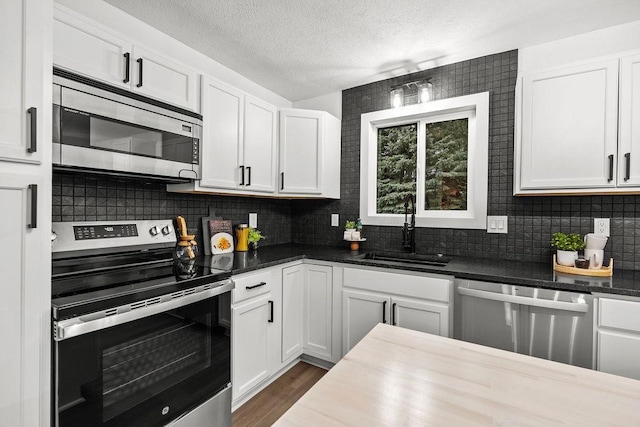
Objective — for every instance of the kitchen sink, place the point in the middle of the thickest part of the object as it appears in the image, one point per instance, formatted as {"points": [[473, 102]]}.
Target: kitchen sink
{"points": [[438, 260]]}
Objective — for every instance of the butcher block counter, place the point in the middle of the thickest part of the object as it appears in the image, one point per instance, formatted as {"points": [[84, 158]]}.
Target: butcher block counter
{"points": [[400, 377]]}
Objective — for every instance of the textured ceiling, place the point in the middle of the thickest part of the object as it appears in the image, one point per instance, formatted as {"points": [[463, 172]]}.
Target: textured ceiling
{"points": [[300, 49]]}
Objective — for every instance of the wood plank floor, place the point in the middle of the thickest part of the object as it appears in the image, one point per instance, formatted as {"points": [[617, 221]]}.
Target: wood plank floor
{"points": [[269, 405]]}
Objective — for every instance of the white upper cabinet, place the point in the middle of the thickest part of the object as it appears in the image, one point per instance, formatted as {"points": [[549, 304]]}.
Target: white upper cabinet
{"points": [[88, 50], [629, 138], [85, 47], [569, 127], [21, 81], [578, 127], [309, 153], [239, 139]]}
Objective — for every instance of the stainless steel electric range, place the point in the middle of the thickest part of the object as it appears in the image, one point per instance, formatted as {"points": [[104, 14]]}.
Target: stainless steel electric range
{"points": [[138, 338]]}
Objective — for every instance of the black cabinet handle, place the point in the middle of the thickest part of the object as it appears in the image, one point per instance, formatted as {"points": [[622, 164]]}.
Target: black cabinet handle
{"points": [[33, 146], [627, 158], [249, 172], [242, 175], [271, 311], [384, 312], [256, 286], [139, 61], [127, 67], [610, 168], [282, 180], [34, 206], [393, 314]]}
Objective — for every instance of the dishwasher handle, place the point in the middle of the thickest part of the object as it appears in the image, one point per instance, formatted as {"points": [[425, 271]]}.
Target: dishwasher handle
{"points": [[579, 307]]}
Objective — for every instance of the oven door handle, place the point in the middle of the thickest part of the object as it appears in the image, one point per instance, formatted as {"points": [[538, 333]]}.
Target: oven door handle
{"points": [[580, 307], [86, 324]]}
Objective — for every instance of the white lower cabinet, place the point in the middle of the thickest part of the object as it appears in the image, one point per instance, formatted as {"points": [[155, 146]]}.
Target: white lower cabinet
{"points": [[318, 312], [292, 293], [420, 316], [618, 337], [414, 301], [254, 337]]}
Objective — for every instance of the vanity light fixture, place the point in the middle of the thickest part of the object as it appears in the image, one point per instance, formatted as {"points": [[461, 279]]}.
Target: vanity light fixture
{"points": [[411, 93]]}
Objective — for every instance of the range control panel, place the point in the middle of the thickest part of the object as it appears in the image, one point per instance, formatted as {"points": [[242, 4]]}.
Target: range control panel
{"points": [[68, 237], [104, 231]]}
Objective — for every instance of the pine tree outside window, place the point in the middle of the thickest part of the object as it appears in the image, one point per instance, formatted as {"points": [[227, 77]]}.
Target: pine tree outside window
{"points": [[435, 152]]}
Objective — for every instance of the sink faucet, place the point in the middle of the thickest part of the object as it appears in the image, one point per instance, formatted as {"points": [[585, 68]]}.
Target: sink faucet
{"points": [[409, 229]]}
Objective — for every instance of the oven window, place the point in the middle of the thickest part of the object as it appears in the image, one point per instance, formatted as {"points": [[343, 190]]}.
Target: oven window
{"points": [[85, 130], [148, 371]]}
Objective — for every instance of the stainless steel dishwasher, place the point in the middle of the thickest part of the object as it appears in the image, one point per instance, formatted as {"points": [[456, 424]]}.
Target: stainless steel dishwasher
{"points": [[545, 323]]}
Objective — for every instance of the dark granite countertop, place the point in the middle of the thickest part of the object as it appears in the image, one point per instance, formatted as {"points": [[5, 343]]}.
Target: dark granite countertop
{"points": [[623, 282]]}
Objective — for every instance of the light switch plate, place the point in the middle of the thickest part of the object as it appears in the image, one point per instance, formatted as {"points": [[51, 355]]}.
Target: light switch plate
{"points": [[497, 224], [335, 220], [253, 220]]}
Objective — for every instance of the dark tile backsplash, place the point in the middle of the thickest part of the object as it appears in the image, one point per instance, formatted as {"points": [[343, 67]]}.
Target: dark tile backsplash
{"points": [[532, 220], [88, 197]]}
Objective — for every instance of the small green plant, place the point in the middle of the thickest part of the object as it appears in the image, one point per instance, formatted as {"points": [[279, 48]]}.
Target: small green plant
{"points": [[255, 235], [350, 225], [567, 242]]}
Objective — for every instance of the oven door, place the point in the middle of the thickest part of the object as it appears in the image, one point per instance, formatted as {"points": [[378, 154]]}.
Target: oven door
{"points": [[147, 371]]}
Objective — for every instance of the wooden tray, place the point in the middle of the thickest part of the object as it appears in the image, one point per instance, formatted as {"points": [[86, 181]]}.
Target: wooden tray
{"points": [[602, 272]]}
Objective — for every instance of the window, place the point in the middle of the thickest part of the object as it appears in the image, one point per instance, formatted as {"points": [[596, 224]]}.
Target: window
{"points": [[435, 153]]}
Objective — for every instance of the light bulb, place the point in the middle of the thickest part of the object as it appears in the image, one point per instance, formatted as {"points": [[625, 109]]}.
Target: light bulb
{"points": [[424, 90], [397, 98]]}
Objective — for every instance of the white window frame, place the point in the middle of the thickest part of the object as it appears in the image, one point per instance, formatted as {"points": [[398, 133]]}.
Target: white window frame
{"points": [[474, 107]]}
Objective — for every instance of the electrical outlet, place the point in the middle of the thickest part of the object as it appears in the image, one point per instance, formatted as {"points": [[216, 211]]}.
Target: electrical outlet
{"points": [[253, 220], [601, 226], [335, 220]]}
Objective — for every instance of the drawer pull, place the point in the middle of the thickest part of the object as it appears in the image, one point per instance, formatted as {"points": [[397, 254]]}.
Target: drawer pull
{"points": [[256, 286]]}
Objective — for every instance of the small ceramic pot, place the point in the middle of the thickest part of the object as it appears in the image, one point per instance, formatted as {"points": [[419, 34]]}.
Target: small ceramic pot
{"points": [[567, 258]]}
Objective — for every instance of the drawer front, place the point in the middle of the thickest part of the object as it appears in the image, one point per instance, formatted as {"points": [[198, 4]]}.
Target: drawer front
{"points": [[432, 288], [619, 314], [252, 284]]}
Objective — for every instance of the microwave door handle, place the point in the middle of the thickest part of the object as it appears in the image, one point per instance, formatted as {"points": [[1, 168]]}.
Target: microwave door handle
{"points": [[578, 307], [81, 325]]}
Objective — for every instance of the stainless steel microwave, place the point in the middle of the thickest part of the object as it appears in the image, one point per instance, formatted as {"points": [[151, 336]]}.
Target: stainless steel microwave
{"points": [[104, 129]]}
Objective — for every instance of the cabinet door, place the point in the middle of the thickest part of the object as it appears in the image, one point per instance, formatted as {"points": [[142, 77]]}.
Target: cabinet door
{"points": [[164, 79], [21, 306], [250, 344], [21, 79], [361, 311], [292, 292], [84, 48], [420, 316], [629, 141], [259, 145], [569, 127], [618, 353], [318, 312], [222, 108], [300, 151]]}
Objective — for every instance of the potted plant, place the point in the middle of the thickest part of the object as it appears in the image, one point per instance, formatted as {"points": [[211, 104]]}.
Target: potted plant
{"points": [[254, 237], [350, 226], [567, 247]]}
